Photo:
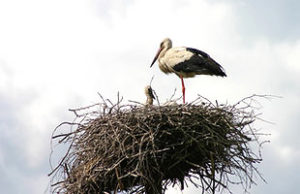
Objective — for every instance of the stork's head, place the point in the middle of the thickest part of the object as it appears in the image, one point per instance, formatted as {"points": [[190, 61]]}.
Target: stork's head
{"points": [[164, 46]]}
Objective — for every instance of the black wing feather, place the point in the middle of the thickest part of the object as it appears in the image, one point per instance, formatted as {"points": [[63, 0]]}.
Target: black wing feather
{"points": [[198, 52], [200, 63]]}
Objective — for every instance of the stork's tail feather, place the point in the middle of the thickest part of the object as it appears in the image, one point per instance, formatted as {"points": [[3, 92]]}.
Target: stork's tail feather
{"points": [[216, 68], [205, 64]]}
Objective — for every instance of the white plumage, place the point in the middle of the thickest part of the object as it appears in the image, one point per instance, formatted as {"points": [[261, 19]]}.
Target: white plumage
{"points": [[172, 57]]}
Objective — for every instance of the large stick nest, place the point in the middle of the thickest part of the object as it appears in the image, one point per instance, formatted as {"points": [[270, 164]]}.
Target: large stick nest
{"points": [[137, 148]]}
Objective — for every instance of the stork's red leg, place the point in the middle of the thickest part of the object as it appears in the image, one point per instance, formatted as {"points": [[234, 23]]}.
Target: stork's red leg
{"points": [[183, 89]]}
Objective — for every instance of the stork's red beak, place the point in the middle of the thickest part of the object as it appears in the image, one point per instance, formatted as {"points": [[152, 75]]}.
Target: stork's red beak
{"points": [[156, 56]]}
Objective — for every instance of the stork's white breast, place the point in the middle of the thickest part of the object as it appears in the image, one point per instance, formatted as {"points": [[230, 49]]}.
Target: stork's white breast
{"points": [[175, 55]]}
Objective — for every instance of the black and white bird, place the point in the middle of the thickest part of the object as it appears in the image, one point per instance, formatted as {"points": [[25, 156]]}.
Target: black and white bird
{"points": [[186, 62]]}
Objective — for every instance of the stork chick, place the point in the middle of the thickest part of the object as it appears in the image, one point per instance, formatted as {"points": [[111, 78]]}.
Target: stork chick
{"points": [[149, 95]]}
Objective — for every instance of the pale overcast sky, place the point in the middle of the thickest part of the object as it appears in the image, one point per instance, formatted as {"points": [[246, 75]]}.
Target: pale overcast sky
{"points": [[58, 54]]}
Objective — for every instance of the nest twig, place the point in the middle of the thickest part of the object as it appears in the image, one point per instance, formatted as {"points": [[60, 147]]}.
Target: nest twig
{"points": [[135, 148]]}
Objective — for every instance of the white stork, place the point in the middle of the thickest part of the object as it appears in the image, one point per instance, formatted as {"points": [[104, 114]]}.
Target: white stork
{"points": [[185, 62]]}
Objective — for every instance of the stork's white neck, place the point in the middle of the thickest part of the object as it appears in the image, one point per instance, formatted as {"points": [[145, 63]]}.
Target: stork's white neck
{"points": [[163, 51], [165, 45]]}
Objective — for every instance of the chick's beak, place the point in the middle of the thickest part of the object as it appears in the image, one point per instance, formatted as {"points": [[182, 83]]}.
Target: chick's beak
{"points": [[150, 91]]}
